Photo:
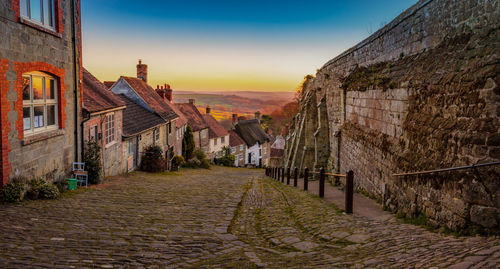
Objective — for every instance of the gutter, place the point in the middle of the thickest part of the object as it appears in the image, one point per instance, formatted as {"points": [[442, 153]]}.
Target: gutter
{"points": [[76, 77]]}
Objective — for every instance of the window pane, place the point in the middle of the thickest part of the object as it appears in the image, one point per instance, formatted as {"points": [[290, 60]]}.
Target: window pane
{"points": [[38, 117], [26, 88], [47, 12], [50, 88], [37, 87], [27, 118], [24, 8], [36, 10], [51, 115]]}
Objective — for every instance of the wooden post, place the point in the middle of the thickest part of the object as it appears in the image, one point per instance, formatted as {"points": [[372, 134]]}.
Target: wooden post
{"points": [[306, 178], [278, 173], [288, 176], [349, 192], [295, 176], [322, 182], [282, 175]]}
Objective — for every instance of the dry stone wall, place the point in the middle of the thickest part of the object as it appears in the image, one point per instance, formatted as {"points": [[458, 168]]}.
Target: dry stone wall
{"points": [[421, 93]]}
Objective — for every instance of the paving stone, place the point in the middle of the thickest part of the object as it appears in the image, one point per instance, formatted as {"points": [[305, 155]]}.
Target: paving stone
{"points": [[305, 246]]}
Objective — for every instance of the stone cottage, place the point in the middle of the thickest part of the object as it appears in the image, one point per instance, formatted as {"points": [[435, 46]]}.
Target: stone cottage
{"points": [[238, 148], [217, 135], [256, 140], [103, 121], [197, 123], [40, 91]]}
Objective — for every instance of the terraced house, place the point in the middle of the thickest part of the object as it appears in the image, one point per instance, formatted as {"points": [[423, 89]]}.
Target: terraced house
{"points": [[217, 135], [40, 91]]}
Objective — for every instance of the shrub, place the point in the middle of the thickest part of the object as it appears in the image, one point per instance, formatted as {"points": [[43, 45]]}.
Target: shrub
{"points": [[227, 160], [152, 159], [177, 161], [188, 145], [34, 188], [202, 157], [49, 191], [92, 159], [13, 192], [193, 162]]}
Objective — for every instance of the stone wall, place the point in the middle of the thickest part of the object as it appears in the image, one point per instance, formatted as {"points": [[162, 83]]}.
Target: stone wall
{"points": [[26, 47], [421, 93]]}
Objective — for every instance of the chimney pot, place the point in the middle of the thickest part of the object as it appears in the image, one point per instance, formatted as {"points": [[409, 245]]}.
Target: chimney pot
{"points": [[208, 110], [235, 118], [168, 93], [191, 101]]}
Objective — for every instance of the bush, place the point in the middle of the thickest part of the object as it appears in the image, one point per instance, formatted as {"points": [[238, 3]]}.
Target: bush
{"points": [[152, 159], [177, 162], [49, 191], [188, 145], [193, 162], [92, 159], [227, 160], [202, 157], [13, 192], [34, 188]]}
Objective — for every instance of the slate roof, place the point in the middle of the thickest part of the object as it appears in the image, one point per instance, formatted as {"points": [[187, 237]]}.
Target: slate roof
{"points": [[251, 132], [215, 129], [277, 153], [235, 139], [194, 117], [96, 97], [137, 119], [149, 95]]}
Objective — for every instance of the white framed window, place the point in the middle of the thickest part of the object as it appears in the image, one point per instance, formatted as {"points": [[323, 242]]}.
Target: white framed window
{"points": [[241, 147], [241, 157], [203, 133], [110, 128], [41, 12], [222, 139], [156, 134], [233, 150], [215, 142], [40, 108]]}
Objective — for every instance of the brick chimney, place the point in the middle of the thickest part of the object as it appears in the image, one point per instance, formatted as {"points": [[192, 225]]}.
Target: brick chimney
{"points": [[142, 71], [235, 118], [168, 92], [257, 115], [208, 110], [191, 101], [161, 92]]}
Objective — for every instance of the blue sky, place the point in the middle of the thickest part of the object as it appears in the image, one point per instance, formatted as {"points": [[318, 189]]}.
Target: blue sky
{"points": [[226, 45]]}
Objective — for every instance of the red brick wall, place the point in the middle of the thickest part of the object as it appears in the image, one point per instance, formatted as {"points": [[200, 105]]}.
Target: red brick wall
{"points": [[22, 68], [5, 148]]}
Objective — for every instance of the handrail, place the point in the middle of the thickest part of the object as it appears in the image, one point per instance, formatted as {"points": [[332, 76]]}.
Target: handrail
{"points": [[446, 169], [329, 174]]}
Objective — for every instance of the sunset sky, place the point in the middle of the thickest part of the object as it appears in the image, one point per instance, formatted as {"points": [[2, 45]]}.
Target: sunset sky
{"points": [[226, 45]]}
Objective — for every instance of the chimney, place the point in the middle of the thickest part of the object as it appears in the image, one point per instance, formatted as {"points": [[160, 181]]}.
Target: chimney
{"points": [[142, 71], [168, 92], [159, 90], [235, 118], [257, 115], [191, 101], [208, 109]]}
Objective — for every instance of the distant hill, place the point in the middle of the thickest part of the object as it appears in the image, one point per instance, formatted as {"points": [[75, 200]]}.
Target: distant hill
{"points": [[243, 103]]}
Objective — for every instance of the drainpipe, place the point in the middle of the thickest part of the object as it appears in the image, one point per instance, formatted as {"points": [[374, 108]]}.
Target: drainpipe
{"points": [[76, 76], [82, 138]]}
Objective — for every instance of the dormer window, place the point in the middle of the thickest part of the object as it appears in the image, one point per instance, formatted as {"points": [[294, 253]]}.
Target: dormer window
{"points": [[39, 103], [41, 12]]}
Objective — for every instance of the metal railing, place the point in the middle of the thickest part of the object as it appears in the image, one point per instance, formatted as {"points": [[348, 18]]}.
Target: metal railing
{"points": [[278, 173], [445, 169]]}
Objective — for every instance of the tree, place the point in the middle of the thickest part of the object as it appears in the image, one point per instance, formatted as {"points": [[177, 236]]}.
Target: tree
{"points": [[188, 144], [92, 159]]}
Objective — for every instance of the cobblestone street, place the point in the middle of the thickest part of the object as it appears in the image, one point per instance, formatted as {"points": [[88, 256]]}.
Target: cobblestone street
{"points": [[222, 218]]}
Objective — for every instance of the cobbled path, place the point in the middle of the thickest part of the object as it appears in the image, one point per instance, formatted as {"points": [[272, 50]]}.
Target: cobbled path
{"points": [[222, 218]]}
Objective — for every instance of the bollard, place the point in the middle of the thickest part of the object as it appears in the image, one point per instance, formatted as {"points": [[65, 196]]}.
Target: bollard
{"points": [[272, 172], [349, 192], [279, 174], [282, 175], [288, 176], [322, 183], [295, 176], [306, 175]]}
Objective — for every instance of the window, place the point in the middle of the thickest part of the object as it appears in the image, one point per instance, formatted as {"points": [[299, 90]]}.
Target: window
{"points": [[241, 157], [169, 127], [222, 139], [233, 150], [241, 147], [110, 128], [39, 103], [215, 142], [156, 134], [131, 148], [203, 133], [260, 152], [93, 133], [39, 11]]}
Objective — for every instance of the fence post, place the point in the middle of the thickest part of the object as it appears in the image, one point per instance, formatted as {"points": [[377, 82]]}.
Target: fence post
{"points": [[349, 192], [322, 182], [295, 176], [288, 176], [306, 178], [282, 175], [272, 172]]}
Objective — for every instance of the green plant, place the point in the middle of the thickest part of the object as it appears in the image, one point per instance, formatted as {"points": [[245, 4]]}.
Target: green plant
{"points": [[13, 192], [92, 159], [188, 145], [227, 160], [177, 162], [152, 159], [202, 157], [49, 191], [34, 188]]}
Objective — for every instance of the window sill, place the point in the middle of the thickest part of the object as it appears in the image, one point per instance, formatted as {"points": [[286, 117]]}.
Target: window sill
{"points": [[110, 144], [39, 27], [42, 137]]}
